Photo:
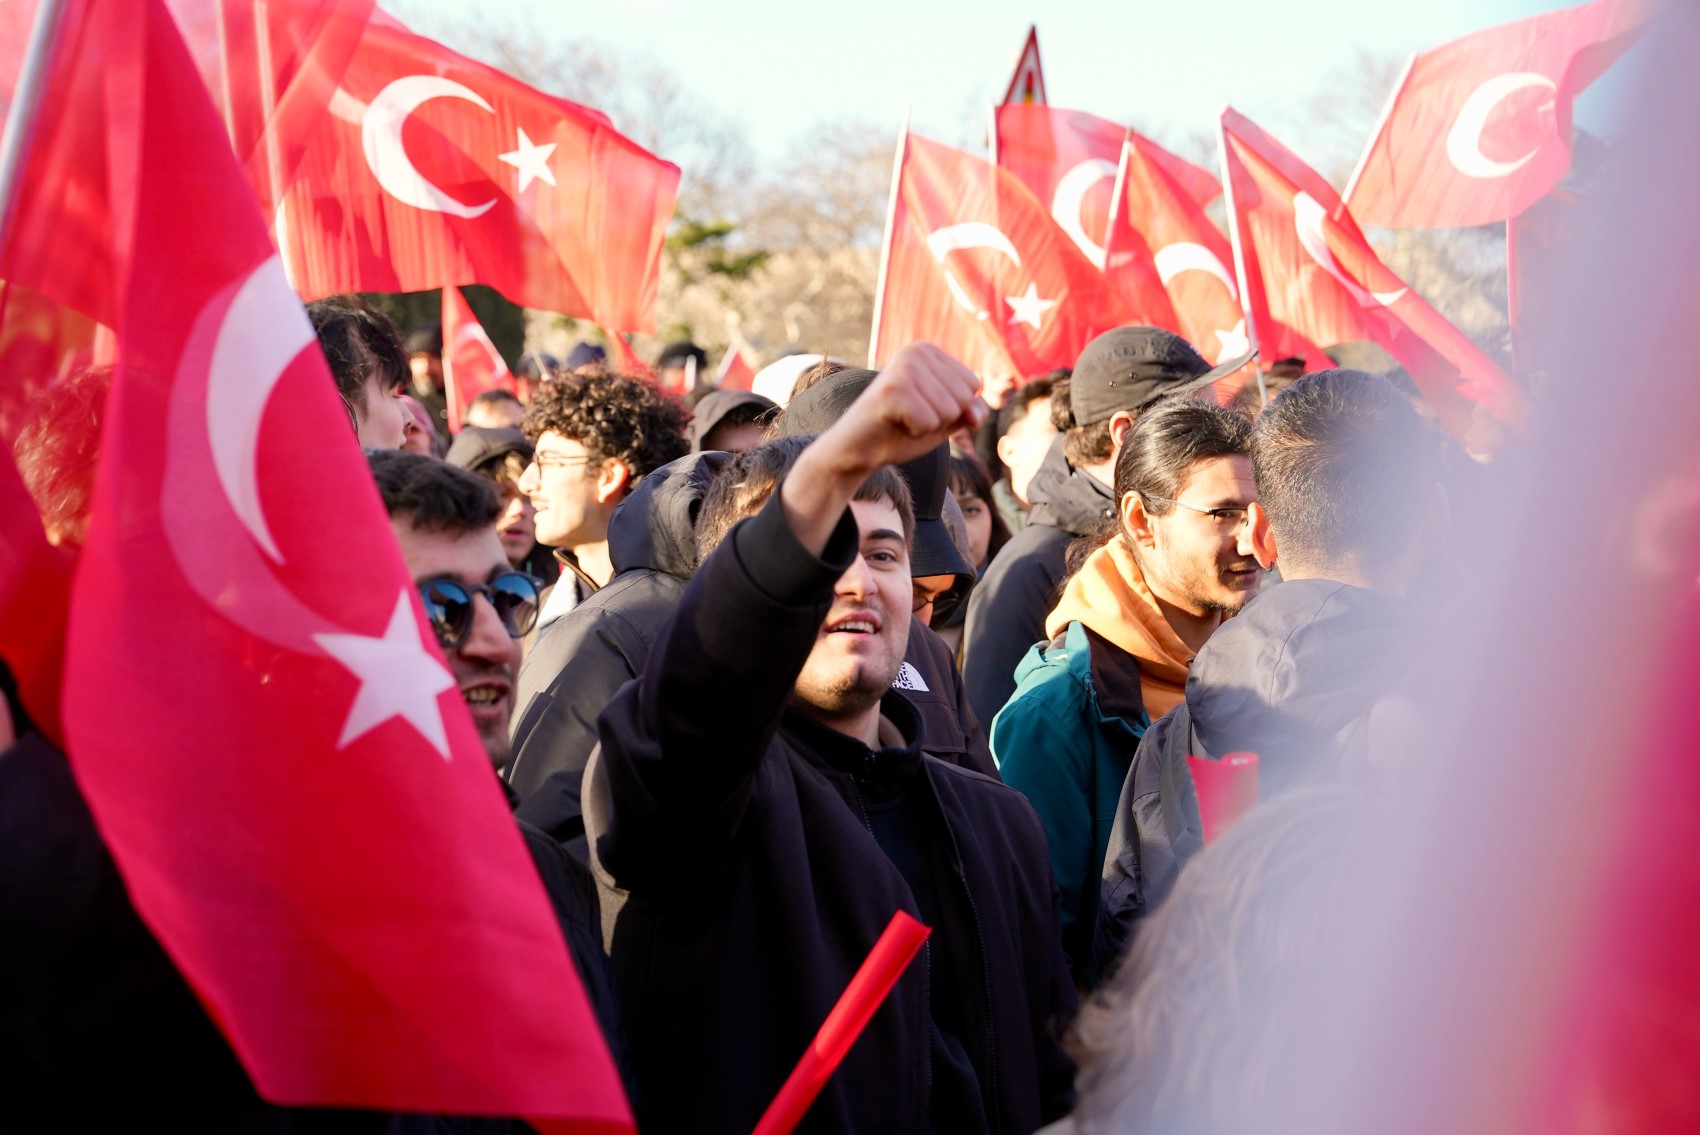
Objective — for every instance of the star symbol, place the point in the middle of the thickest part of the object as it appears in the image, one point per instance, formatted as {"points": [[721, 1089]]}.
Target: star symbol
{"points": [[398, 678], [1234, 343], [531, 160], [1028, 307]]}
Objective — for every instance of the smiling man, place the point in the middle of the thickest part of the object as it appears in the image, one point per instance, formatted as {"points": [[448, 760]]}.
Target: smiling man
{"points": [[762, 804], [597, 435], [1124, 635]]}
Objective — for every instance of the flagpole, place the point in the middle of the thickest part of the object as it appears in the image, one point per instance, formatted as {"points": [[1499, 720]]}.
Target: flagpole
{"points": [[1239, 256], [1380, 125], [1117, 203], [274, 155], [26, 98], [885, 248]]}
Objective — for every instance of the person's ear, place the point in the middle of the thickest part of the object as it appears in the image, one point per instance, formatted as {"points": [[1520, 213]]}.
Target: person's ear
{"points": [[1120, 423], [1262, 536], [613, 481], [1136, 522], [1006, 450]]}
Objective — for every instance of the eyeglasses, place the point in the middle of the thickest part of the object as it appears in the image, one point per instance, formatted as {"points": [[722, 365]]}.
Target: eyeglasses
{"points": [[555, 461], [448, 604], [944, 603], [1233, 517]]}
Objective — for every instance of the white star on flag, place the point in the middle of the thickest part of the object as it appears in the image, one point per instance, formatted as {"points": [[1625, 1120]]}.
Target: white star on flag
{"points": [[398, 678], [1234, 343], [1028, 308], [531, 160]]}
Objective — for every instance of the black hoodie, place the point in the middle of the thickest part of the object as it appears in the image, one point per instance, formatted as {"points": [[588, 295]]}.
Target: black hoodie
{"points": [[1293, 678], [1006, 613], [573, 670]]}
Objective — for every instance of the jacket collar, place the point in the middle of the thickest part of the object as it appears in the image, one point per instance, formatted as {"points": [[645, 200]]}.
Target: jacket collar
{"points": [[826, 746]]}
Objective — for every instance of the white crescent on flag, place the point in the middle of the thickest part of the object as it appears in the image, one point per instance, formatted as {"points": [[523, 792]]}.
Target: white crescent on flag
{"points": [[969, 234], [380, 140], [1309, 219], [1464, 141], [1185, 256], [1071, 194]]}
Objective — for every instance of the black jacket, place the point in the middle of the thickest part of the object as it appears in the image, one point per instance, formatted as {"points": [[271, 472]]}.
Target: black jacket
{"points": [[574, 668], [573, 671], [1006, 613], [1293, 678], [99, 1030], [743, 884]]}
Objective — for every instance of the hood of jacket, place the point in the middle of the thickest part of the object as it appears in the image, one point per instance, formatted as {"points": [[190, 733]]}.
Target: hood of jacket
{"points": [[1293, 677], [1064, 497], [655, 526], [1109, 595]]}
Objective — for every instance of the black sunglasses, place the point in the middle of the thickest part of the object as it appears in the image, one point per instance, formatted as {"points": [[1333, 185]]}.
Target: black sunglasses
{"points": [[448, 604]]}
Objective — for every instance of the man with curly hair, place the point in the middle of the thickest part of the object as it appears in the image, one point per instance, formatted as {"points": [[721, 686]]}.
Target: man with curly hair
{"points": [[597, 435]]}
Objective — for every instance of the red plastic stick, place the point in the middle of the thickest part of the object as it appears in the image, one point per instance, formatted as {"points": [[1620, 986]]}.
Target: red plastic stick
{"points": [[891, 955]]}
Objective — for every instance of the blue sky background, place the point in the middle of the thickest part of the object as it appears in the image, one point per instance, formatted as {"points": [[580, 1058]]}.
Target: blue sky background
{"points": [[779, 68]]}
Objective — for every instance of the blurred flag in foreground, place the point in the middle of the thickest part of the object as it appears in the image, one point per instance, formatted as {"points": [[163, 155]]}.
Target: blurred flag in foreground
{"points": [[253, 705]]}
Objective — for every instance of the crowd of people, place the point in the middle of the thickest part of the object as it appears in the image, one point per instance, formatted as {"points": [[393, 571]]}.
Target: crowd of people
{"points": [[676, 616]]}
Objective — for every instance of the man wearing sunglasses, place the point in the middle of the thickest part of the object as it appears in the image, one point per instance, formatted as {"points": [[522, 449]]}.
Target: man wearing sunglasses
{"points": [[1124, 635]]}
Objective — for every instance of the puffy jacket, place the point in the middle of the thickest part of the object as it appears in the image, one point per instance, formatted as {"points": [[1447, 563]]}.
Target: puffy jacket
{"points": [[1006, 613], [1057, 746], [1294, 678], [573, 670], [743, 884]]}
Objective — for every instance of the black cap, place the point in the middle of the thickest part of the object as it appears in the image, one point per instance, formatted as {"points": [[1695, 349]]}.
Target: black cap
{"points": [[1129, 368], [928, 476], [675, 354], [477, 446], [426, 341], [714, 407]]}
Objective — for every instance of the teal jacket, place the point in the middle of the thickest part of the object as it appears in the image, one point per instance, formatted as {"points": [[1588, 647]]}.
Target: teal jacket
{"points": [[1054, 745]]}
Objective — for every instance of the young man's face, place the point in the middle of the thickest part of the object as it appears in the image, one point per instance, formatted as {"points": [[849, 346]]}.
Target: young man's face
{"points": [[1023, 448], [1203, 563], [516, 525], [861, 644], [562, 484], [485, 662]]}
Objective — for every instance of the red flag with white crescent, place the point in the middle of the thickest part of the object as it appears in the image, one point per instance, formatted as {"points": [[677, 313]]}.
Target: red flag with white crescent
{"points": [[1027, 85], [431, 169], [975, 264], [253, 703], [1479, 129], [471, 363], [1313, 279], [1158, 220]]}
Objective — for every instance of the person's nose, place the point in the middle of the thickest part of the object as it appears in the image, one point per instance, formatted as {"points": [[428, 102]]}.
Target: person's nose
{"points": [[487, 639], [857, 582], [529, 478]]}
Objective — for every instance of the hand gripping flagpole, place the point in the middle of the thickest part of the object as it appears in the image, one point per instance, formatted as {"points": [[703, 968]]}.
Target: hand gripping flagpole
{"points": [[26, 99], [866, 992], [885, 249], [1239, 255]]}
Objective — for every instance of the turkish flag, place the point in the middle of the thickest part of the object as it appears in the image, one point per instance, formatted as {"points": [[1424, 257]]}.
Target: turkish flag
{"points": [[1313, 279], [431, 170], [471, 363], [1027, 85], [253, 703], [975, 264], [735, 371], [1478, 130], [1158, 229]]}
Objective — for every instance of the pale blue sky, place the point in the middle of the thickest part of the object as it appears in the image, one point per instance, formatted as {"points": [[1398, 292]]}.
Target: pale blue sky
{"points": [[778, 68]]}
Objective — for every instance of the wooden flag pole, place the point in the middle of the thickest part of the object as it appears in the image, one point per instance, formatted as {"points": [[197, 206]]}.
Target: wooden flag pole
{"points": [[1239, 257], [890, 235]]}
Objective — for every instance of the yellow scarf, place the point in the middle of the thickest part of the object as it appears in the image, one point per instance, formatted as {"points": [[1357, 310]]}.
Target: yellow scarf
{"points": [[1109, 596]]}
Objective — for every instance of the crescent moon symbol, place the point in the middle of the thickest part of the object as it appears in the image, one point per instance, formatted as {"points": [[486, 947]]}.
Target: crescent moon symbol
{"points": [[1173, 259], [970, 234], [380, 139], [1464, 143], [1066, 201], [236, 354], [1309, 217]]}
